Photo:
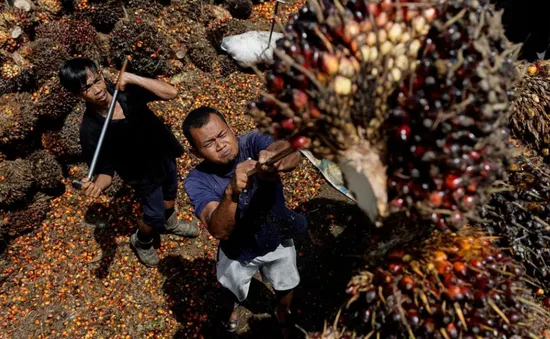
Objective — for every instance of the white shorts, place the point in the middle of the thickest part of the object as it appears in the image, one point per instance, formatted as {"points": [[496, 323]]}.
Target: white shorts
{"points": [[277, 267]]}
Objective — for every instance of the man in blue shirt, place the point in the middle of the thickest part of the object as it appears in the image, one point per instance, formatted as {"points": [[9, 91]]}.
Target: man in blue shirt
{"points": [[247, 213]]}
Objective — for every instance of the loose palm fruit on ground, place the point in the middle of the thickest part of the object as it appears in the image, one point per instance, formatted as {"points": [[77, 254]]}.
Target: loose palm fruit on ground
{"points": [[519, 214], [18, 119], [420, 93], [450, 286], [16, 181]]}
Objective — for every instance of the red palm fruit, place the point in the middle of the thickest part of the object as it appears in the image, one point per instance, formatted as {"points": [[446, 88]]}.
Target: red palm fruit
{"points": [[443, 267], [299, 142], [406, 283], [275, 83], [460, 268], [288, 124], [395, 268], [450, 304], [299, 99]]}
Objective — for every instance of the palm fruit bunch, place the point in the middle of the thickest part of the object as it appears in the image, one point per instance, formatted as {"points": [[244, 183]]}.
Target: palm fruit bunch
{"points": [[228, 66], [203, 55], [15, 78], [53, 101], [519, 213], [16, 182], [46, 170], [77, 37], [52, 6], [239, 9], [27, 219], [150, 7], [64, 142], [449, 286], [147, 47], [530, 120], [46, 56], [414, 95], [104, 15], [18, 119], [20, 18]]}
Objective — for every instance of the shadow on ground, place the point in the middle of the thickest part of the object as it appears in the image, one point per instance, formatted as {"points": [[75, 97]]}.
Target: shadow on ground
{"points": [[328, 255], [110, 221]]}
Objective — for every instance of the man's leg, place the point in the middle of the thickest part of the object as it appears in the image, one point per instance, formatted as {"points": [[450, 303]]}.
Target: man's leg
{"points": [[235, 277], [281, 271], [170, 192], [152, 205], [282, 310]]}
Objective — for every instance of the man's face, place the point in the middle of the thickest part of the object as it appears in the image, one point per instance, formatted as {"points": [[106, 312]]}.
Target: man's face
{"points": [[215, 141], [95, 91]]}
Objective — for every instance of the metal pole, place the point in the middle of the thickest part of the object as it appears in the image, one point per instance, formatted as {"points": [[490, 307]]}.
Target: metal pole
{"points": [[76, 183], [273, 21]]}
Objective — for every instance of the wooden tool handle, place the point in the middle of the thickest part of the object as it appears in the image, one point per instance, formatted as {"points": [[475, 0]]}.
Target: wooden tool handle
{"points": [[122, 70], [278, 156]]}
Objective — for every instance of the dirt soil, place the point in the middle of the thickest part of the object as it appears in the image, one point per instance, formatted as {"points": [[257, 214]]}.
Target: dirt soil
{"points": [[79, 275]]}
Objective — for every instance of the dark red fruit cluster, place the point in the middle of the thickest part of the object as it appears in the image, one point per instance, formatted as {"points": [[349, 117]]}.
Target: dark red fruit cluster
{"points": [[330, 54], [520, 215], [447, 135], [452, 287], [427, 85]]}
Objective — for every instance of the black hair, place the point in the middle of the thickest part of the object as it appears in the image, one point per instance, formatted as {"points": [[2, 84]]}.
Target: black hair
{"points": [[72, 74], [196, 119]]}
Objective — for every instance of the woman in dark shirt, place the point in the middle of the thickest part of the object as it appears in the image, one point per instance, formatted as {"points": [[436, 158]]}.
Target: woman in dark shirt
{"points": [[138, 146]]}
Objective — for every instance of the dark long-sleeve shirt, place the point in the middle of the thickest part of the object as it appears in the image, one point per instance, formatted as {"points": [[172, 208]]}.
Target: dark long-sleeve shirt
{"points": [[137, 147]]}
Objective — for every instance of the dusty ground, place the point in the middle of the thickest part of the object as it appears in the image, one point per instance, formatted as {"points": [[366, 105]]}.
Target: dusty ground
{"points": [[77, 274]]}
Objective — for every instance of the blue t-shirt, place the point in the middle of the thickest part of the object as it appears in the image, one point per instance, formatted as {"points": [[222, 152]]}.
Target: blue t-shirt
{"points": [[262, 218]]}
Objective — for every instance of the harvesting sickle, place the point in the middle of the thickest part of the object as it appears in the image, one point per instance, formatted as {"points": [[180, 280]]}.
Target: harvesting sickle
{"points": [[77, 183]]}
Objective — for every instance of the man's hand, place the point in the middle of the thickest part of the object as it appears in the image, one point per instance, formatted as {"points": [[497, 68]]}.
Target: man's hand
{"points": [[90, 189], [263, 157], [240, 179], [126, 79]]}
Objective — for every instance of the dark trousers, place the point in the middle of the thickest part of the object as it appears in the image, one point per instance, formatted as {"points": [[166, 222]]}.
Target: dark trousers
{"points": [[152, 202]]}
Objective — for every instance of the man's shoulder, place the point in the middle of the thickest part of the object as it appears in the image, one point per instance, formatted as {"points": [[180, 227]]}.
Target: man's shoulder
{"points": [[255, 137], [197, 174]]}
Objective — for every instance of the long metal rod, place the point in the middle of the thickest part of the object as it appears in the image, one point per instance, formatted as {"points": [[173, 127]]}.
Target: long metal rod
{"points": [[273, 21], [76, 183]]}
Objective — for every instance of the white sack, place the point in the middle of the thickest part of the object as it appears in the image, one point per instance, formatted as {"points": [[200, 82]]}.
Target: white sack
{"points": [[250, 48]]}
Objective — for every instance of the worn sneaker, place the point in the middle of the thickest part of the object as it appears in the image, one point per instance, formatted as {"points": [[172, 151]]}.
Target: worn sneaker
{"points": [[178, 227], [145, 251]]}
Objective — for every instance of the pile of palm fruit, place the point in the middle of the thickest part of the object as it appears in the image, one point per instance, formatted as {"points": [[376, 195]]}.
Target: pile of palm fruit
{"points": [[40, 122], [417, 96]]}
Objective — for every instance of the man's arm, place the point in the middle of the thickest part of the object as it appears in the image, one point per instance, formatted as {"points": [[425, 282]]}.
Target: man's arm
{"points": [[219, 217], [161, 89]]}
